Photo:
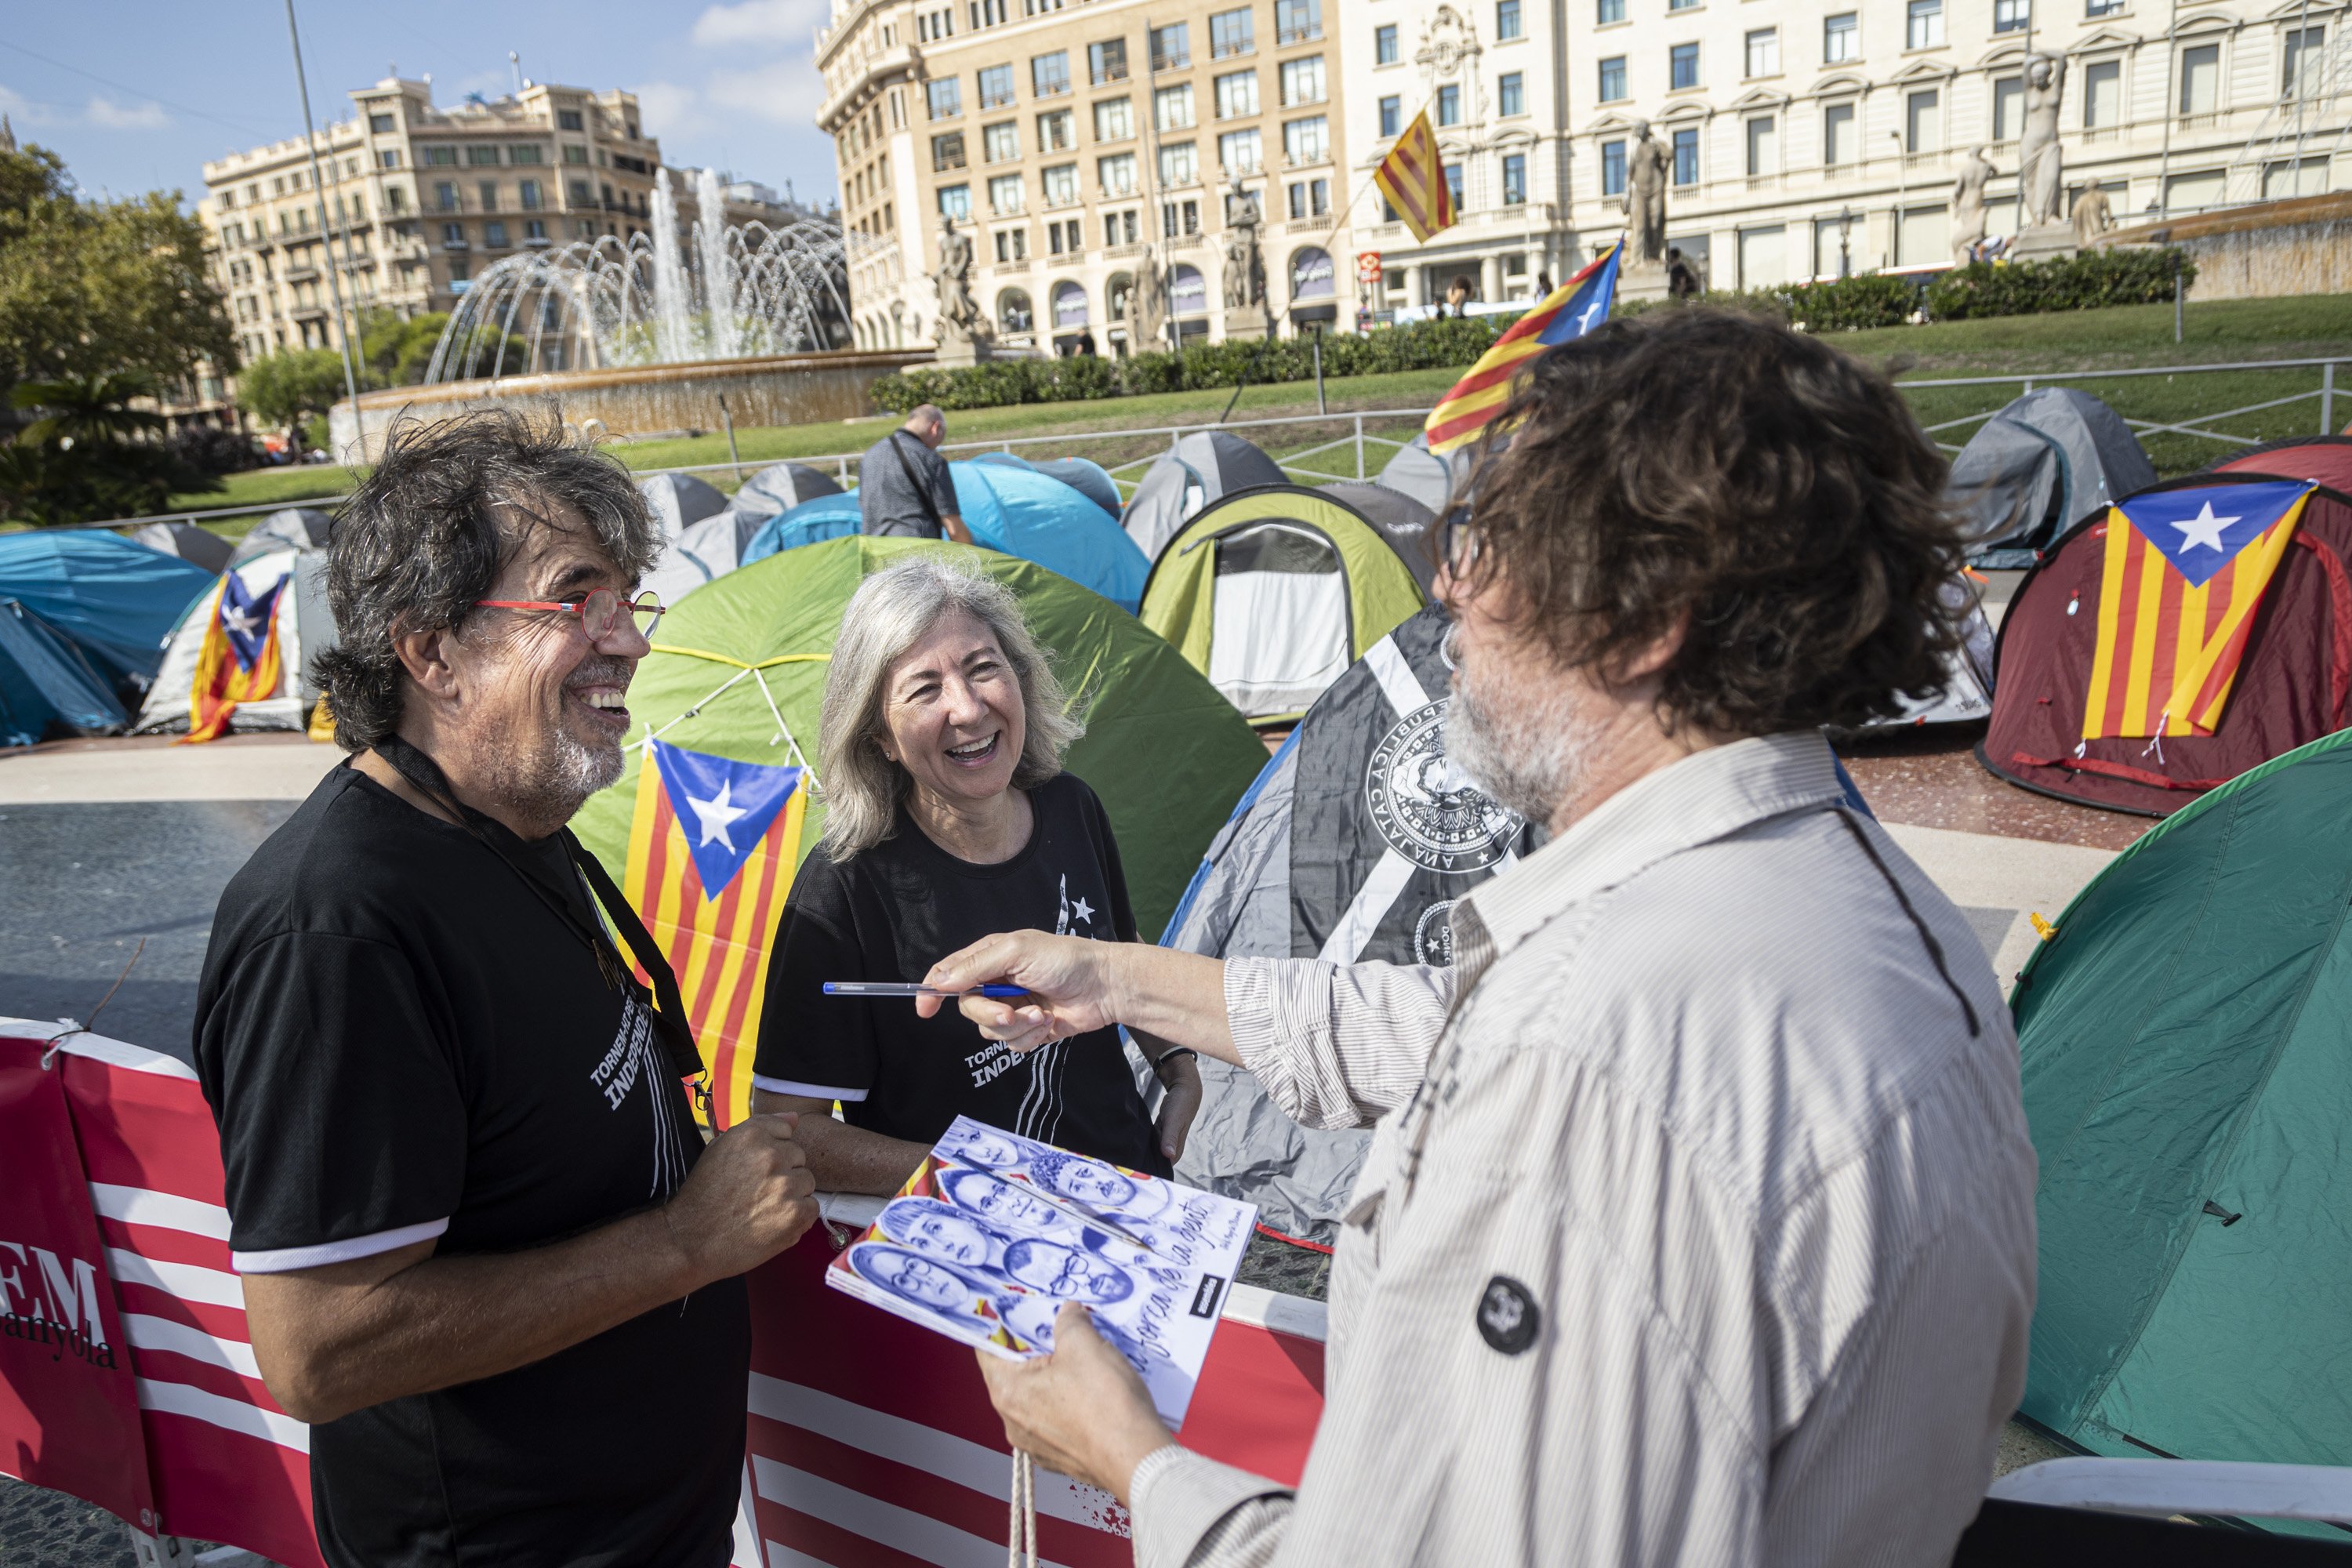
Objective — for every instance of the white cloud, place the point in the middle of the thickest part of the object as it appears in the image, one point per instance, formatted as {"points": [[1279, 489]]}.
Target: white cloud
{"points": [[112, 116], [785, 91], [793, 22], [22, 110]]}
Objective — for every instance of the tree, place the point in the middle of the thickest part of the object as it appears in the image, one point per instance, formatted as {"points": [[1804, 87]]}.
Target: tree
{"points": [[87, 454], [287, 388], [398, 353]]}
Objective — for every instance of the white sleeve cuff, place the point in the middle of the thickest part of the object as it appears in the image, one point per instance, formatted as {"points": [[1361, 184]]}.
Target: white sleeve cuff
{"points": [[283, 1260], [807, 1090]]}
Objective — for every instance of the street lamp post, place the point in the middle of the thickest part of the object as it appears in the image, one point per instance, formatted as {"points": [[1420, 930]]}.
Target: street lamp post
{"points": [[1846, 242], [1902, 196]]}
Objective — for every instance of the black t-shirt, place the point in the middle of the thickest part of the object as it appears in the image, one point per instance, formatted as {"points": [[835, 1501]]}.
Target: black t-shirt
{"points": [[399, 1039], [893, 911]]}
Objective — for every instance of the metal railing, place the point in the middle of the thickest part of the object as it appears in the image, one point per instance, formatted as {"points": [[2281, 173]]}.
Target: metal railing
{"points": [[1362, 451]]}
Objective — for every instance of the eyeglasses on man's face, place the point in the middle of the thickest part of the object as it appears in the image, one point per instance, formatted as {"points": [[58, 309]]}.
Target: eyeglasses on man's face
{"points": [[600, 613]]}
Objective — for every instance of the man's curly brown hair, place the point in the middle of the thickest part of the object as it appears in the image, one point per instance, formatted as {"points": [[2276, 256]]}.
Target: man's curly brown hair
{"points": [[1775, 489]]}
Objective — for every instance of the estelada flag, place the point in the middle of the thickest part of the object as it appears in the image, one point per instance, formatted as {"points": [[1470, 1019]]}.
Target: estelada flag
{"points": [[1570, 311], [1414, 181], [712, 850], [2184, 572], [239, 660]]}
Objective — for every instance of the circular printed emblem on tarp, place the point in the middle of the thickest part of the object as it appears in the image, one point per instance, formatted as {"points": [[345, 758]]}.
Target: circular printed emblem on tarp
{"points": [[1426, 806], [1432, 934]]}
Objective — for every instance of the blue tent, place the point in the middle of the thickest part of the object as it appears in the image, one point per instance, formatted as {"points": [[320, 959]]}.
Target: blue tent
{"points": [[1009, 507], [46, 684], [1090, 478], [115, 600]]}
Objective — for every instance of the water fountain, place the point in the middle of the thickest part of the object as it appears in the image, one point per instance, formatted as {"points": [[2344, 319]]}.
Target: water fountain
{"points": [[644, 334]]}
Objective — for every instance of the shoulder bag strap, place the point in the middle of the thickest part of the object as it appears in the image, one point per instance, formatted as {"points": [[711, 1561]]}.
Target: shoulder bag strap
{"points": [[922, 490], [669, 1021]]}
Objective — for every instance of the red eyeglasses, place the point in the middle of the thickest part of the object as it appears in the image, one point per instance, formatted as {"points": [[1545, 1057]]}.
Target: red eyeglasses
{"points": [[600, 613]]}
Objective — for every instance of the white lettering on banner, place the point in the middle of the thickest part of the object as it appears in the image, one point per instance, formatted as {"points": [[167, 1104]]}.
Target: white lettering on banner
{"points": [[53, 1302]]}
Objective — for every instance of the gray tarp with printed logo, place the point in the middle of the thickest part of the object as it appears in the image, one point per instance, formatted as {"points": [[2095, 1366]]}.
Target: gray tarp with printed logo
{"points": [[1352, 844]]}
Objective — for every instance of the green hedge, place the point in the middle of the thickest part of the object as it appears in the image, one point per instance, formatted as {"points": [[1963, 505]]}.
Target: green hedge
{"points": [[2084, 282]]}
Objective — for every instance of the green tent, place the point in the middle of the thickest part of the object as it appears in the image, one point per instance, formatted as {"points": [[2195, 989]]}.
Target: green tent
{"points": [[2187, 1049], [1273, 592], [738, 673]]}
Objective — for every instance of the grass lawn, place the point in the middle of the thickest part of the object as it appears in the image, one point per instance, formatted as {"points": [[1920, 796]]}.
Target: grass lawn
{"points": [[2220, 331]]}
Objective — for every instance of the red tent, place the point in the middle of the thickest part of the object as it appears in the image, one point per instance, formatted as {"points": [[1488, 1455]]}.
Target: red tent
{"points": [[2294, 680]]}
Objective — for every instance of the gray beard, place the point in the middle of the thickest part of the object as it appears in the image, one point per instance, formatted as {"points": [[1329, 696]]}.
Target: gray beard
{"points": [[550, 782], [1526, 753]]}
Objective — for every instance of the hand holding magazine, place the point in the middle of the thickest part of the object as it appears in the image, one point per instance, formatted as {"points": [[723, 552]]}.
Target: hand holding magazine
{"points": [[993, 1232]]}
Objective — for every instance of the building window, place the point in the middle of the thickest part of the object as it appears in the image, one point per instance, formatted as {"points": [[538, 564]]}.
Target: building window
{"points": [[2008, 106], [1920, 120], [389, 158], [382, 124], [1515, 179], [2200, 79], [2097, 8], [1012, 245], [1004, 194], [996, 87], [1000, 142], [489, 193], [1511, 93], [1613, 168], [1302, 80], [1507, 19], [440, 157], [1106, 62], [1236, 94], [2299, 76], [1231, 33], [494, 236], [445, 196], [1049, 75], [523, 154], [1391, 115], [1682, 66], [1449, 105], [1057, 133], [1454, 190], [955, 202], [452, 234], [1764, 52], [1763, 145], [2011, 15], [932, 25], [395, 199], [1307, 141], [578, 189], [568, 120], [1119, 228], [1060, 184], [1609, 12], [1923, 25], [1842, 39], [1179, 219], [1172, 46], [1687, 157], [1116, 174], [1241, 151], [2102, 94], [1062, 239], [1309, 198], [575, 154], [1297, 21], [482, 156], [527, 192], [1613, 80], [946, 151], [989, 13], [1384, 45], [1838, 134], [1179, 164], [945, 96], [1172, 108], [1114, 119]]}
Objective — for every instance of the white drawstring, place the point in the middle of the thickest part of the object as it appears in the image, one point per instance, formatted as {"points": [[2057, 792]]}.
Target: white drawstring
{"points": [[1021, 1549]]}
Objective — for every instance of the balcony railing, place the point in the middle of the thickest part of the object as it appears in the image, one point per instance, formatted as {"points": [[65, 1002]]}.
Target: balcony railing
{"points": [[1286, 36], [1174, 60]]}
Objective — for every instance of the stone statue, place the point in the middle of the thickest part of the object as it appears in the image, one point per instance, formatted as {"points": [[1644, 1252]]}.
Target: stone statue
{"points": [[2093, 217], [1147, 306], [2038, 163], [1245, 264], [961, 318], [1968, 205], [1646, 198]]}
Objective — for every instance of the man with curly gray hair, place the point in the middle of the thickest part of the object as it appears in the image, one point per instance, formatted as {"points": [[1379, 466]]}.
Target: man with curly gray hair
{"points": [[485, 1252]]}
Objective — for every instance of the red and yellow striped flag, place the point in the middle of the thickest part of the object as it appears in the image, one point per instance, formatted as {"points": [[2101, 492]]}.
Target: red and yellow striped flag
{"points": [[1572, 309], [1413, 180], [2185, 570], [712, 850], [237, 661]]}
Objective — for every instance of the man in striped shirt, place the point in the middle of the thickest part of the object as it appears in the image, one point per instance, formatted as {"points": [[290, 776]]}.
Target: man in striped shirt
{"points": [[1697, 1226]]}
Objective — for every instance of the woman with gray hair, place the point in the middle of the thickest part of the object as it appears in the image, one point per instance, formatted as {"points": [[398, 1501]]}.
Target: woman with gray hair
{"points": [[947, 818]]}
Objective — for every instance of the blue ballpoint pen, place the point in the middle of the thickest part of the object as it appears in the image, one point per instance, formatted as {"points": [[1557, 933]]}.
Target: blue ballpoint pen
{"points": [[908, 988]]}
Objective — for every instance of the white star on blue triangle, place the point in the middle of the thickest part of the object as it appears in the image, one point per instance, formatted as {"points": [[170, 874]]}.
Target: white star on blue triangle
{"points": [[724, 806], [2201, 528], [245, 616]]}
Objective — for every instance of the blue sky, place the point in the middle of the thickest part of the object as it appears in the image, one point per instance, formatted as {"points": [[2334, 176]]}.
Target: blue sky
{"points": [[137, 96]]}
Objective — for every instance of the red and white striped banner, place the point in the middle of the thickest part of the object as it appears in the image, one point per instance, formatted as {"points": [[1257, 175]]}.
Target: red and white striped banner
{"points": [[871, 1440]]}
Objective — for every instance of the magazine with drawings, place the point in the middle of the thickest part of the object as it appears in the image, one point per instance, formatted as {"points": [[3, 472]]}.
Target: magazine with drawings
{"points": [[993, 1232]]}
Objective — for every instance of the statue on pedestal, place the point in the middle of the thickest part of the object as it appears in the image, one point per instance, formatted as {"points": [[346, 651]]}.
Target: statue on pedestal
{"points": [[1646, 170], [1245, 264], [1147, 306], [961, 322], [2038, 162], [1968, 206], [2093, 217]]}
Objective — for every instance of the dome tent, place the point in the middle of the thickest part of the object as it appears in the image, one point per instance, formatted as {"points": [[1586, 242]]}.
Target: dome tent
{"points": [[1408, 527], [2039, 467], [46, 685], [2292, 679], [780, 487], [1084, 475], [680, 501], [295, 527], [1272, 592], [1196, 470], [196, 546], [1353, 847], [305, 626], [1436, 482], [811, 523], [738, 672], [115, 601], [2327, 458], [2181, 1042]]}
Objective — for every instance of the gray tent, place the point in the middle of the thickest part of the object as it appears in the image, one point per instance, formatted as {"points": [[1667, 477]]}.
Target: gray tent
{"points": [[296, 527], [1405, 522], [1198, 470], [1436, 482], [680, 500], [196, 546], [705, 550], [1353, 845], [780, 487], [2039, 467]]}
